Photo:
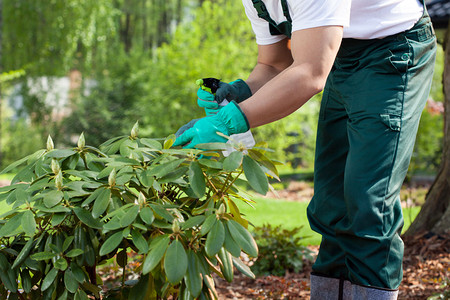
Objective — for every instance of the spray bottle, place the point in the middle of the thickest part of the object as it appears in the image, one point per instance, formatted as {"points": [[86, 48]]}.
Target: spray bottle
{"points": [[246, 138]]}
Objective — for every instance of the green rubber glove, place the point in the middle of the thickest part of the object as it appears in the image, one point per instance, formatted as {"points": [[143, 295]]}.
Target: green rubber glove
{"points": [[229, 120], [236, 90]]}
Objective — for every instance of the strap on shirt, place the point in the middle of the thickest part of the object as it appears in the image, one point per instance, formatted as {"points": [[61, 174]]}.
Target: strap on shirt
{"points": [[275, 29]]}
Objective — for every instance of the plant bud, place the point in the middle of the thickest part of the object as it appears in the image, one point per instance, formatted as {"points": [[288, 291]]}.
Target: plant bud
{"points": [[50, 145], [176, 226], [81, 141], [135, 130], [112, 178], [141, 199], [59, 181], [55, 166], [221, 209]]}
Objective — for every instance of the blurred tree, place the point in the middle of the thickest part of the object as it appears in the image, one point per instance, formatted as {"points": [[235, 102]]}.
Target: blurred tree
{"points": [[435, 213]]}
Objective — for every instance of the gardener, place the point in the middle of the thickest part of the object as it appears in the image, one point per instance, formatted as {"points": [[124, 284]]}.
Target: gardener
{"points": [[374, 60]]}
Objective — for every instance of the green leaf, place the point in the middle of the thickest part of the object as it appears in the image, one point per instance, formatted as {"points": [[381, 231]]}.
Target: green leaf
{"points": [[169, 141], [208, 224], [230, 244], [26, 280], [8, 279], [52, 198], [113, 224], [153, 144], [197, 179], [255, 175], [70, 282], [243, 268], [130, 216], [193, 278], [161, 211], [127, 147], [139, 241], [119, 212], [4, 264], [11, 226], [215, 239], [145, 178], [213, 146], [105, 172], [33, 156], [74, 252], [262, 159], [92, 197], [211, 163], [28, 223], [43, 255], [61, 264], [146, 215], [111, 243], [233, 161], [243, 238], [101, 203], [156, 254], [193, 222], [166, 168], [78, 272], [86, 217], [175, 262], [48, 279], [227, 264], [80, 295], [23, 254], [60, 153], [67, 242]]}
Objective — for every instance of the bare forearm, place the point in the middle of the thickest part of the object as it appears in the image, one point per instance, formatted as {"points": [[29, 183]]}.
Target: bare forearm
{"points": [[296, 84], [281, 96], [260, 75], [272, 60]]}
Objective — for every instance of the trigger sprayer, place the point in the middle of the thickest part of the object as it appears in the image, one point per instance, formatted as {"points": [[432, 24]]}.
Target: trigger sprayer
{"points": [[246, 138]]}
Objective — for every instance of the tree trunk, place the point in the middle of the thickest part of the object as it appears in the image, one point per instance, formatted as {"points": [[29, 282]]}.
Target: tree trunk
{"points": [[435, 213]]}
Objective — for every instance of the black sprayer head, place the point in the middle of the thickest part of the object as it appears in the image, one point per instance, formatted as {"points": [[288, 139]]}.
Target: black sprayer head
{"points": [[211, 83]]}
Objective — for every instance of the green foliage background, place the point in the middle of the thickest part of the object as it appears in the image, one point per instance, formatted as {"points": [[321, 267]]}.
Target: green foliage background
{"points": [[144, 57]]}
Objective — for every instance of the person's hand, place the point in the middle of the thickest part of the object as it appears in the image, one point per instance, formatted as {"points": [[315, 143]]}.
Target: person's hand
{"points": [[229, 120], [236, 90]]}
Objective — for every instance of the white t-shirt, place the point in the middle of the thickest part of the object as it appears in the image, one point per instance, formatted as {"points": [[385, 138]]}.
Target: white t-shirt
{"points": [[362, 19]]}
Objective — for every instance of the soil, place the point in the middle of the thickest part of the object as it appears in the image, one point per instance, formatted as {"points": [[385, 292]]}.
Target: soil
{"points": [[426, 265]]}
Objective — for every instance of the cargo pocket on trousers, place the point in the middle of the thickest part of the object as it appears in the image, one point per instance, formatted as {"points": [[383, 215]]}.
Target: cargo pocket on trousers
{"points": [[392, 121], [400, 60]]}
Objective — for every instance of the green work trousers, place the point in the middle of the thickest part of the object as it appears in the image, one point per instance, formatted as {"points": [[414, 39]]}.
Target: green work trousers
{"points": [[368, 121]]}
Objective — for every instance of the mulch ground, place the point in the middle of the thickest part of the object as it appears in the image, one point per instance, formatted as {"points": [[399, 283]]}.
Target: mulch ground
{"points": [[426, 264]]}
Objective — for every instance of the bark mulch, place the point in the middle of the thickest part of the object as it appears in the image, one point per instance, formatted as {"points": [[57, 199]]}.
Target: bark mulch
{"points": [[426, 265]]}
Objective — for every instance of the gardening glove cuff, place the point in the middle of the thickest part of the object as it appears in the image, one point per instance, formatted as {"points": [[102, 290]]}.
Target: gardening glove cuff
{"points": [[234, 118], [236, 90]]}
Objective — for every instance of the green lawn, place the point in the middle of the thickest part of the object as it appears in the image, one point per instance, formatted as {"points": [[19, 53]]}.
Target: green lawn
{"points": [[291, 214]]}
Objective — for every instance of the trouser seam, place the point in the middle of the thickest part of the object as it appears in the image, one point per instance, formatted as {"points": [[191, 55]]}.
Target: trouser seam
{"points": [[394, 159]]}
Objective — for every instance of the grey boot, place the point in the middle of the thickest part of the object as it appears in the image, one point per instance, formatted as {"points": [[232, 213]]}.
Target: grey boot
{"points": [[369, 293], [327, 288]]}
